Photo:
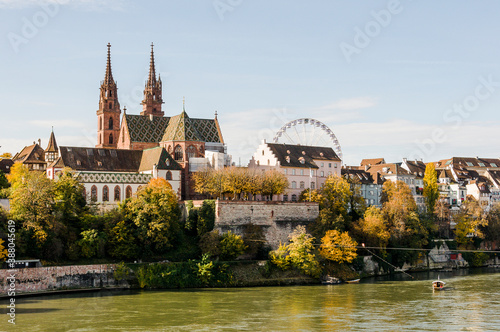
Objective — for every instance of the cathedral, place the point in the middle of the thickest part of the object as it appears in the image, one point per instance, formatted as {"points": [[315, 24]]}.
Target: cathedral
{"points": [[192, 142]]}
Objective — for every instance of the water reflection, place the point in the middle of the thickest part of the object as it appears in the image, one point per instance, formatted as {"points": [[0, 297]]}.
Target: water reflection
{"points": [[383, 304]]}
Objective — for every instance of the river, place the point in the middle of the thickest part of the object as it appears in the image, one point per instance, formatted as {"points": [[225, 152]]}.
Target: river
{"points": [[470, 303]]}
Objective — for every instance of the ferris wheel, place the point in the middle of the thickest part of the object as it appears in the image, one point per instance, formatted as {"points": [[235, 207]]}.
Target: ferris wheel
{"points": [[309, 132]]}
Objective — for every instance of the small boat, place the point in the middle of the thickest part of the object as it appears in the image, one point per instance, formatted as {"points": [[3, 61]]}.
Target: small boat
{"points": [[353, 281], [438, 284]]}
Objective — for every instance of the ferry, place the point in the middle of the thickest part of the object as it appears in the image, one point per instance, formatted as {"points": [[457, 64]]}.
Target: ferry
{"points": [[438, 284]]}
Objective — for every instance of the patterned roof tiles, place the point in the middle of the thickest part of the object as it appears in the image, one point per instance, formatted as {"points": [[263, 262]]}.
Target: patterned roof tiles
{"points": [[143, 129]]}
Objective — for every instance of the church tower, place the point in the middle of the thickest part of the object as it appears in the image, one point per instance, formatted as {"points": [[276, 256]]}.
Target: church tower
{"points": [[151, 104], [108, 115]]}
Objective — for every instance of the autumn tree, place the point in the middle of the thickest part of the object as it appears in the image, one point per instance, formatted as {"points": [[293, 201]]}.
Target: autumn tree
{"points": [[338, 247], [299, 253], [6, 155], [156, 213], [273, 183], [373, 228], [431, 191], [470, 222], [491, 231], [231, 246]]}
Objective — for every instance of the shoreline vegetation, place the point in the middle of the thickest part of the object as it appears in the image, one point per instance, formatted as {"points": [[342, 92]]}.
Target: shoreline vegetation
{"points": [[151, 227]]}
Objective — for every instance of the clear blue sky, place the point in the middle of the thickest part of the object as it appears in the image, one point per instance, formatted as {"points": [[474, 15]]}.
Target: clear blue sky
{"points": [[387, 91]]}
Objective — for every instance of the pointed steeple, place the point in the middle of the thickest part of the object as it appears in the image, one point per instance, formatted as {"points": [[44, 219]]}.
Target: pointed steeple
{"points": [[152, 74], [108, 77], [151, 104], [108, 114], [52, 151]]}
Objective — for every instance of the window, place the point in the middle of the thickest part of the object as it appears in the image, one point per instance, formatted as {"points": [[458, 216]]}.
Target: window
{"points": [[262, 152], [105, 194], [481, 164], [294, 198], [301, 172], [322, 164], [302, 185], [191, 152], [313, 185], [285, 198], [335, 165], [371, 192], [493, 165], [110, 138], [93, 194], [268, 162], [469, 164], [110, 105], [294, 185], [330, 165], [312, 172], [117, 194], [100, 123], [102, 152], [293, 171], [322, 174], [168, 176], [128, 192], [178, 155], [110, 123]]}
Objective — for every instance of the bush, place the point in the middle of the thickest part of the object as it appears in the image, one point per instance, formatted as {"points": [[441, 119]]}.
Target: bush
{"points": [[231, 246], [206, 217]]}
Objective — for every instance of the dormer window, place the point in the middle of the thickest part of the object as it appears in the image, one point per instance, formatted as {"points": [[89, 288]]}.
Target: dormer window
{"points": [[287, 159], [303, 153], [302, 160]]}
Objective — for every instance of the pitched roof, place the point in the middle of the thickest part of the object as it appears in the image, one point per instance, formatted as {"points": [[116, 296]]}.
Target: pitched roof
{"points": [[388, 169], [375, 161], [416, 167], [301, 155], [52, 146], [114, 160], [361, 175], [144, 128], [160, 157], [30, 154], [181, 128]]}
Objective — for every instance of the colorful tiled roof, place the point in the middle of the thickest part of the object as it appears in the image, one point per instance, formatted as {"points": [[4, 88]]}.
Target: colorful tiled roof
{"points": [[144, 129], [181, 128]]}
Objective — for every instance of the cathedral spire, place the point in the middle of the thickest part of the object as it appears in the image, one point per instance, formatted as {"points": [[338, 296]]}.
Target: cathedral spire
{"points": [[108, 114], [152, 74], [108, 78], [152, 102]]}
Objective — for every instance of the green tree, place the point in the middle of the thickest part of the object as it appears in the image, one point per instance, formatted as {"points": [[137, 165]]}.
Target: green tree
{"points": [[69, 199], [122, 241], [338, 247], [32, 203], [4, 183], [431, 191], [231, 246], [302, 252], [91, 244], [210, 243], [155, 212], [206, 217]]}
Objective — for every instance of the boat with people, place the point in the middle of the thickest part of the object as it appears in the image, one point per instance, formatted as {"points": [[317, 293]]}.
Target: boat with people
{"points": [[438, 284]]}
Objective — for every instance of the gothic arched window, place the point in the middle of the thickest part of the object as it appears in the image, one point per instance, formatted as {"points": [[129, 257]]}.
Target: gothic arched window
{"points": [[105, 194], [128, 192], [117, 194], [178, 155], [110, 123], [191, 152], [110, 138], [168, 176], [93, 194]]}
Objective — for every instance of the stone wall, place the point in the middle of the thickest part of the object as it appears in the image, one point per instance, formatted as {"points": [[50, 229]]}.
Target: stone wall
{"points": [[48, 278], [277, 219]]}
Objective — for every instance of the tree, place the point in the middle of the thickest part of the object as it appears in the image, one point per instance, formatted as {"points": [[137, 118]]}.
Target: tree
{"points": [[122, 242], [4, 183], [338, 247], [254, 239], [302, 252], [492, 230], [469, 223], [156, 213], [210, 243], [3, 251], [273, 183], [231, 246], [32, 202], [206, 217], [431, 191], [6, 155], [91, 244], [69, 199], [18, 173], [373, 228]]}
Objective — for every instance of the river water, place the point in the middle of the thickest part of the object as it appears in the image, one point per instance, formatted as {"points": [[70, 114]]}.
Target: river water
{"points": [[471, 302]]}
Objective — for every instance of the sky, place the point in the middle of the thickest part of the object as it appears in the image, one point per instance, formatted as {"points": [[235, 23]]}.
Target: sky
{"points": [[392, 79]]}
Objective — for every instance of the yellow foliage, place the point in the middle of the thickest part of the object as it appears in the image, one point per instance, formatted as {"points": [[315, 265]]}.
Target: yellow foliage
{"points": [[159, 183], [338, 247], [3, 251]]}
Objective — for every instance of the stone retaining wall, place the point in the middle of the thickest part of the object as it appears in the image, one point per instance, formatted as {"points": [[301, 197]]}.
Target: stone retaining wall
{"points": [[59, 277], [277, 219]]}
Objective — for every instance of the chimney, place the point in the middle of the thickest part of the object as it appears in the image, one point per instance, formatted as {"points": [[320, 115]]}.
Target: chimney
{"points": [[39, 142]]}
